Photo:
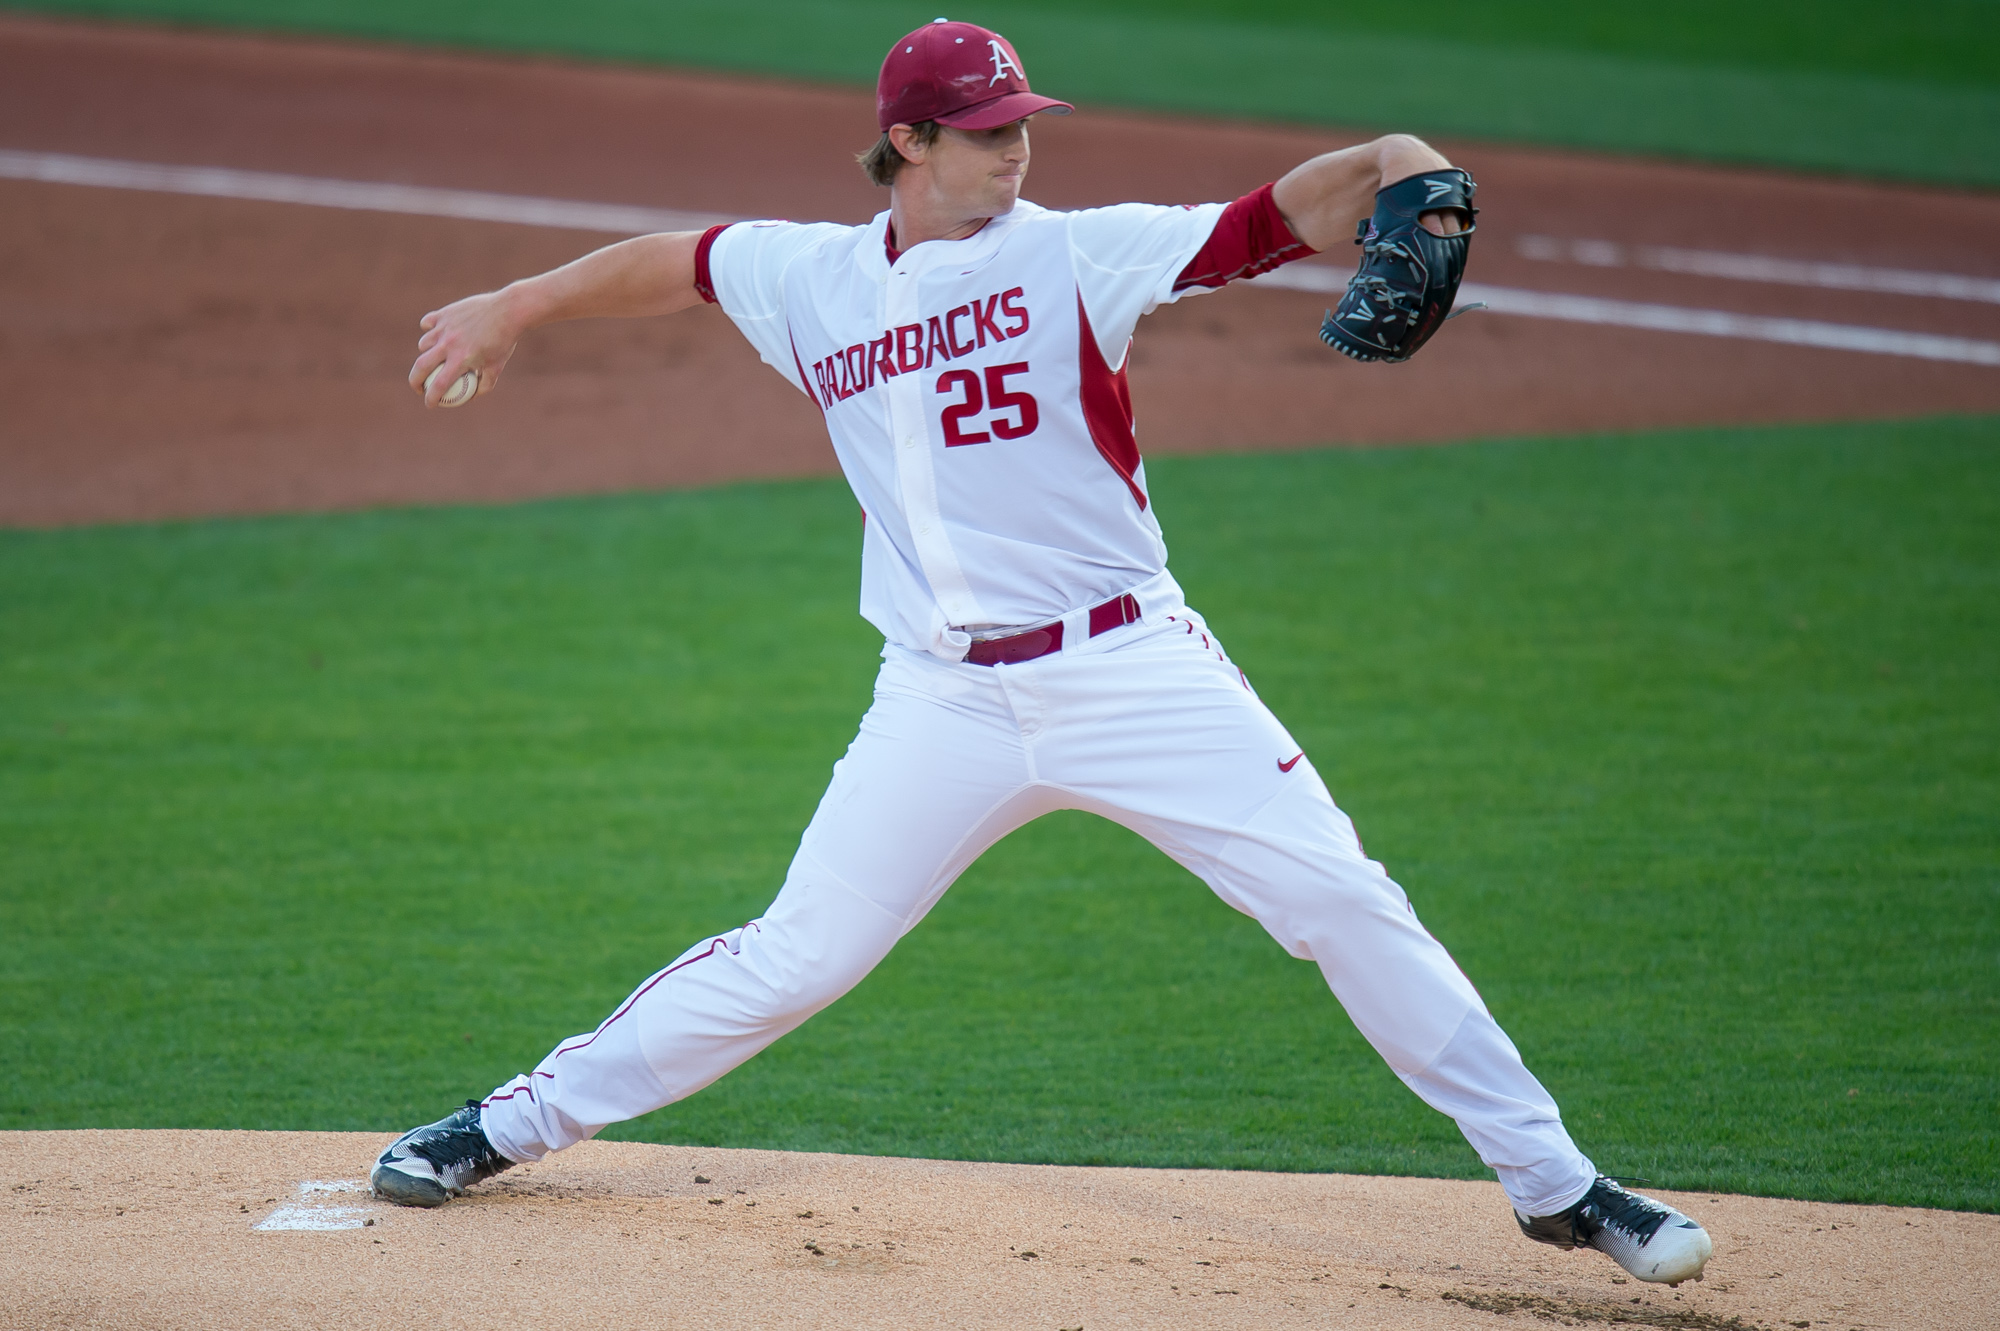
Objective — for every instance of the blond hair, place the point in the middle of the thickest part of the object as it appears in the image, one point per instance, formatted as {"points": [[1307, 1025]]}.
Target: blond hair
{"points": [[881, 163]]}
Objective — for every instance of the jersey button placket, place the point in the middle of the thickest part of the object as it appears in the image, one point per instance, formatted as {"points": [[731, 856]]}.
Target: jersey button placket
{"points": [[915, 475]]}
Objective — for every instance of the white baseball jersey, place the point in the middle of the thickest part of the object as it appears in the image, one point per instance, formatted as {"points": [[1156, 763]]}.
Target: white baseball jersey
{"points": [[976, 397]]}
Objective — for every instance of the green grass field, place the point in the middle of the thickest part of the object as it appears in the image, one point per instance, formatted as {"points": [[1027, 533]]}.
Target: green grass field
{"points": [[1904, 91], [1688, 745]]}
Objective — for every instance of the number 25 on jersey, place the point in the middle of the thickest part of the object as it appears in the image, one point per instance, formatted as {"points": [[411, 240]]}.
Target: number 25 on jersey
{"points": [[1015, 413]]}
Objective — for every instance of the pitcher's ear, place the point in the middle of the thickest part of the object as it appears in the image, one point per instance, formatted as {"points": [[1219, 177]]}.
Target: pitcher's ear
{"points": [[908, 143]]}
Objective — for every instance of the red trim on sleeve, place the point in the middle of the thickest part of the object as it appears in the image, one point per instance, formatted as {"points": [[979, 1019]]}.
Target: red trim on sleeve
{"points": [[1249, 238], [1107, 407], [704, 284]]}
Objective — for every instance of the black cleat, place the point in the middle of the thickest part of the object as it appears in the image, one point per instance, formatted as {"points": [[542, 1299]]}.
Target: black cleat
{"points": [[1648, 1238], [428, 1166]]}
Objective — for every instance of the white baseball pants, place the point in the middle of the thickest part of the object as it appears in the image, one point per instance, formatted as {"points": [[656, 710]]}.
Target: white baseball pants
{"points": [[1148, 725]]}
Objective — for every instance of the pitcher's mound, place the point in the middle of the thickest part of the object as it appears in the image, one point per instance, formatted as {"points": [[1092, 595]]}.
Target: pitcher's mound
{"points": [[271, 1229]]}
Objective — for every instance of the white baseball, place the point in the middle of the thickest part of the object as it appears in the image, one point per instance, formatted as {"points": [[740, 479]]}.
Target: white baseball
{"points": [[461, 390]]}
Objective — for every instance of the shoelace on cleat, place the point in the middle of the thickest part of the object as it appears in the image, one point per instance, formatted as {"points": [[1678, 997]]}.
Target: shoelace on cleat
{"points": [[1607, 1205], [449, 1148]]}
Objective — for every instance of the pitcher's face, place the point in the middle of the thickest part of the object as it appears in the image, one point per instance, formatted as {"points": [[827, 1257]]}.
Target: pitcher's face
{"points": [[978, 172]]}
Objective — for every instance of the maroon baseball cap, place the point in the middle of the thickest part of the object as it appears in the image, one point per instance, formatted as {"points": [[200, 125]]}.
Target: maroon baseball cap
{"points": [[958, 74]]}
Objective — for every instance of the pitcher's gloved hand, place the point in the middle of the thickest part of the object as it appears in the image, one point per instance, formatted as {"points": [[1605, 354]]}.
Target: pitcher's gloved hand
{"points": [[1408, 276]]}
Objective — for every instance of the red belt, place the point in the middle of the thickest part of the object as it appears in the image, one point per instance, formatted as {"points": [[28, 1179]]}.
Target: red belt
{"points": [[1047, 640]]}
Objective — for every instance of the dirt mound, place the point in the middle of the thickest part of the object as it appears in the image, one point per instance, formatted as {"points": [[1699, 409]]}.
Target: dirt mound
{"points": [[168, 1229]]}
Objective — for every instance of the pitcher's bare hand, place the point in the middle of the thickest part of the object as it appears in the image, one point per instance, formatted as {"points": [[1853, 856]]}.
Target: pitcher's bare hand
{"points": [[646, 275], [477, 333]]}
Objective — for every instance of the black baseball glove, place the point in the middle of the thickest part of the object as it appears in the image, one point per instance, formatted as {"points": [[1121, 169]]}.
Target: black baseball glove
{"points": [[1408, 277]]}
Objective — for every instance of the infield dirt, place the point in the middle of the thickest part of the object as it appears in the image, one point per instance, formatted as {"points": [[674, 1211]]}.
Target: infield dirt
{"points": [[170, 356], [167, 1229]]}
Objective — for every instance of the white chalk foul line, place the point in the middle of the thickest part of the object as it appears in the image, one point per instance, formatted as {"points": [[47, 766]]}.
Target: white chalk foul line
{"points": [[365, 196], [1681, 319], [1720, 323], [627, 219], [1762, 268]]}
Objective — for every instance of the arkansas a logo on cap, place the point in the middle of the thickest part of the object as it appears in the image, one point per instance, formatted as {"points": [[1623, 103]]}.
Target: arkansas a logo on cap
{"points": [[1003, 61]]}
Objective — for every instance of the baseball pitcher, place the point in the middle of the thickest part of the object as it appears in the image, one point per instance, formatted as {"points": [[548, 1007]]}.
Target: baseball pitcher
{"points": [[967, 350]]}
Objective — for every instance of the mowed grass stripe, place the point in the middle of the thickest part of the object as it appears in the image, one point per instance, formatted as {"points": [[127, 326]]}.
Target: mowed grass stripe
{"points": [[1684, 743]]}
